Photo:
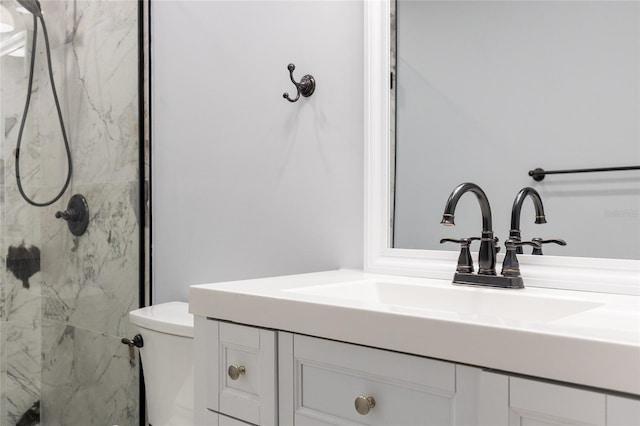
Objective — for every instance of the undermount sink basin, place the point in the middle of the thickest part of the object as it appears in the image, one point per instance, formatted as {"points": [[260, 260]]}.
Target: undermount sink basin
{"points": [[464, 301]]}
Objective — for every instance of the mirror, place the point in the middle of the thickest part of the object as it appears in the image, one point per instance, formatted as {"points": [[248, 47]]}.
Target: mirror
{"points": [[487, 90]]}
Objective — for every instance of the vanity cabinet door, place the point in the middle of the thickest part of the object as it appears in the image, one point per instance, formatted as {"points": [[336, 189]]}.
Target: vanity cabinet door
{"points": [[622, 411], [239, 372], [540, 403], [340, 384]]}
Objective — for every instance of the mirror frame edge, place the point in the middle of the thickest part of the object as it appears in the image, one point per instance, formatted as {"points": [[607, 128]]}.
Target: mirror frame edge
{"points": [[618, 276]]}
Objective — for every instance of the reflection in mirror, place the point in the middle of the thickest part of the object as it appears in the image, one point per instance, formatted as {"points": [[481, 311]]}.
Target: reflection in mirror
{"points": [[488, 90]]}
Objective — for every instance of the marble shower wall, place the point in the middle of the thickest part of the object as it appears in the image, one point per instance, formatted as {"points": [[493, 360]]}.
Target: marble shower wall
{"points": [[20, 299], [61, 336]]}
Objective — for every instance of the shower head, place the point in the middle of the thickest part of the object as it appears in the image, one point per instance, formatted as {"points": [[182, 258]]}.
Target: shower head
{"points": [[33, 6]]}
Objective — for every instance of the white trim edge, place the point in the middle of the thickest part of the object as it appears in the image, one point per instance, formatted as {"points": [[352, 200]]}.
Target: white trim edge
{"points": [[618, 276]]}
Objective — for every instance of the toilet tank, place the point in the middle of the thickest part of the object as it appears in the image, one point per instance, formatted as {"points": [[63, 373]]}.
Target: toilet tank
{"points": [[167, 362]]}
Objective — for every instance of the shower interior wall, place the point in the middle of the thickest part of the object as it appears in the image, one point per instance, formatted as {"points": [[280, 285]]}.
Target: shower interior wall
{"points": [[61, 327]]}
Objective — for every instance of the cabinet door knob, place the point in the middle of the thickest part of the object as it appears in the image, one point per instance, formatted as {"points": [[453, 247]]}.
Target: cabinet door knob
{"points": [[364, 404], [235, 371]]}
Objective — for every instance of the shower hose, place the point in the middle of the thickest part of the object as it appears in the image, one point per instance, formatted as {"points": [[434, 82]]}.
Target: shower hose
{"points": [[26, 112]]}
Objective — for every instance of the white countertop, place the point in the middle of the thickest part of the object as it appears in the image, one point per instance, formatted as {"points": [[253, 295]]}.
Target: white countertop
{"points": [[521, 331]]}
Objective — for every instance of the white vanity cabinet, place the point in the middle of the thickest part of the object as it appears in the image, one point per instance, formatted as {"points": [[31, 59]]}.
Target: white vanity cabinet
{"points": [[249, 375], [336, 383], [622, 411], [292, 379], [533, 402], [235, 374]]}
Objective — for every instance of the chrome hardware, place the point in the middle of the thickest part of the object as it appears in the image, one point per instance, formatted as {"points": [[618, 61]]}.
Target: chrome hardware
{"points": [[136, 341], [364, 403], [306, 87], [235, 371], [76, 215]]}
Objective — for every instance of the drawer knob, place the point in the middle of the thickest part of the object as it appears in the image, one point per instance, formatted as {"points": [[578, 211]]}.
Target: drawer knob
{"points": [[364, 404], [235, 371]]}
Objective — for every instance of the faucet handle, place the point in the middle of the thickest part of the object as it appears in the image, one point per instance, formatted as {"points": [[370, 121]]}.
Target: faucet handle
{"points": [[537, 250], [465, 263], [512, 244], [510, 264], [460, 240]]}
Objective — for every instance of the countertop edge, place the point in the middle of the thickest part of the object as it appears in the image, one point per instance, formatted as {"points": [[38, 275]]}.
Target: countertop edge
{"points": [[583, 361]]}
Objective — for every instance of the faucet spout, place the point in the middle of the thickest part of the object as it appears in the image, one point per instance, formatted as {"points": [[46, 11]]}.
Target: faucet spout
{"points": [[452, 202], [517, 207], [514, 232], [487, 254]]}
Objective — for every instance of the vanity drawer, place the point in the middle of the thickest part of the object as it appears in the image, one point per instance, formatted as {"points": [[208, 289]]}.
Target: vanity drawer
{"points": [[392, 388], [244, 383]]}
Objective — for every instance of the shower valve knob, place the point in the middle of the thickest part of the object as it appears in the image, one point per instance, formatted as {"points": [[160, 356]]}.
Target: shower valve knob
{"points": [[70, 214], [76, 215]]}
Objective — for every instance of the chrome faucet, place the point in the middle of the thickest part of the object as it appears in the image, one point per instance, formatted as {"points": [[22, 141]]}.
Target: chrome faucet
{"points": [[487, 254], [514, 232]]}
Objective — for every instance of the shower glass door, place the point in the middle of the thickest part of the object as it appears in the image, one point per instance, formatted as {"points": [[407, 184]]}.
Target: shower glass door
{"points": [[64, 299]]}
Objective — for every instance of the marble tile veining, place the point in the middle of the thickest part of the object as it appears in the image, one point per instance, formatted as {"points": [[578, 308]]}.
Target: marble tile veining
{"points": [[101, 56], [61, 325], [22, 349], [91, 281], [87, 378]]}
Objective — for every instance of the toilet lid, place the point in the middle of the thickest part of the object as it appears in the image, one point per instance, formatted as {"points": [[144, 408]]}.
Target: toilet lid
{"points": [[170, 318]]}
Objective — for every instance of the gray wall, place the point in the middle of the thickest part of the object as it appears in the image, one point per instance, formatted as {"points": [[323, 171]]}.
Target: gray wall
{"points": [[246, 184], [490, 90]]}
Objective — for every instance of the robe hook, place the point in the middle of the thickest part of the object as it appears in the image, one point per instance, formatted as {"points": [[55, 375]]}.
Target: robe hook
{"points": [[305, 88]]}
